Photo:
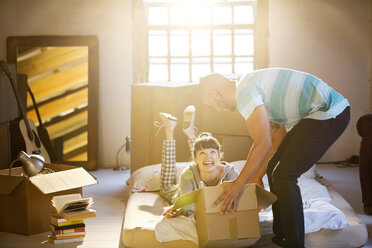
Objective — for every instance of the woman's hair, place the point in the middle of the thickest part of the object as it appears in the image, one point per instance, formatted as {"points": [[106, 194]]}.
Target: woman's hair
{"points": [[205, 140]]}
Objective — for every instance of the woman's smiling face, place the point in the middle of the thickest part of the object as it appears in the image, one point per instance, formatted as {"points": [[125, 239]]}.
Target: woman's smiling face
{"points": [[207, 159]]}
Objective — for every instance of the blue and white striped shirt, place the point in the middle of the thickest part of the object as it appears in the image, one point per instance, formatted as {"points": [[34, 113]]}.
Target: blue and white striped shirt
{"points": [[288, 96]]}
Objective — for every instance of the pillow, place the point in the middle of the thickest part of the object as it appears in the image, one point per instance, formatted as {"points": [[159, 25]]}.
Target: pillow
{"points": [[148, 178], [145, 179]]}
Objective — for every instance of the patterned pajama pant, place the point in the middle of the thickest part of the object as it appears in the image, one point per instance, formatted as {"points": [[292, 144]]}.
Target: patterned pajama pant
{"points": [[168, 177]]}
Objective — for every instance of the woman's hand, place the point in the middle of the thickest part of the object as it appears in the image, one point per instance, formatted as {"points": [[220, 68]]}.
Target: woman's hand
{"points": [[170, 213], [230, 196]]}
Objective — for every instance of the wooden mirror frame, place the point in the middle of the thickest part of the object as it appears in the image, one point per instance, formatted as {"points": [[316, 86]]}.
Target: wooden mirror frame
{"points": [[16, 42]]}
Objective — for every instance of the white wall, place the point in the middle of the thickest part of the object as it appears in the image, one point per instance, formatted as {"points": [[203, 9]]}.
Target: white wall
{"points": [[332, 40], [110, 21]]}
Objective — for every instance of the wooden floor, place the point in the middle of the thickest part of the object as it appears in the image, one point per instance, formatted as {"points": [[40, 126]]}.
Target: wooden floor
{"points": [[110, 196], [346, 181], [103, 231]]}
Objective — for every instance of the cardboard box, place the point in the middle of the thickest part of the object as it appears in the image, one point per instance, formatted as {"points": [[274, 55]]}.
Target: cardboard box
{"points": [[222, 122], [234, 147], [5, 153], [148, 100], [239, 229], [26, 202]]}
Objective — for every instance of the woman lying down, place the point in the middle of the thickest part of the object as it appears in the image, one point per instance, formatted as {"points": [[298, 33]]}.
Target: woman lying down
{"points": [[207, 168]]}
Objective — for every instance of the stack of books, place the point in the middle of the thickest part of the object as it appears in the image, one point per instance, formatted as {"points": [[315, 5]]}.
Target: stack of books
{"points": [[67, 222], [64, 231]]}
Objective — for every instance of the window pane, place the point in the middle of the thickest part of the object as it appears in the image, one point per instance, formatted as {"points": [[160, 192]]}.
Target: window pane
{"points": [[200, 15], [201, 43], [243, 68], [222, 60], [222, 15], [179, 43], [180, 72], [200, 70], [179, 61], [158, 43], [201, 60], [243, 42], [222, 44], [157, 61], [243, 14], [244, 59], [222, 68], [158, 72], [157, 15], [179, 15]]}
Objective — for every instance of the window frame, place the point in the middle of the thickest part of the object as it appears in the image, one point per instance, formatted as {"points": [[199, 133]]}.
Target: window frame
{"points": [[258, 27]]}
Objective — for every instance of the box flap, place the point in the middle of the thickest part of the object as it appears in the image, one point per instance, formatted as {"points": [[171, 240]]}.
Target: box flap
{"points": [[185, 199], [59, 167], [63, 180], [8, 183], [264, 197]]}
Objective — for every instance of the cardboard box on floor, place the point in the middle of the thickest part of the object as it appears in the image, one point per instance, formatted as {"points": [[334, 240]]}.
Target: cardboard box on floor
{"points": [[26, 202], [234, 147], [239, 229]]}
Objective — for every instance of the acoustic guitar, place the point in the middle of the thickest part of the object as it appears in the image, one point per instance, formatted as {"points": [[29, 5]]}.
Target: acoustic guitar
{"points": [[26, 126]]}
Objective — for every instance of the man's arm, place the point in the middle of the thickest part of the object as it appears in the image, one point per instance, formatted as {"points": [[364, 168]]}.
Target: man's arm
{"points": [[278, 132], [259, 128]]}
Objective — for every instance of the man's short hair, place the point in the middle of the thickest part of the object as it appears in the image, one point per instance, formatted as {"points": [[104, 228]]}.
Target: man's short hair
{"points": [[212, 81]]}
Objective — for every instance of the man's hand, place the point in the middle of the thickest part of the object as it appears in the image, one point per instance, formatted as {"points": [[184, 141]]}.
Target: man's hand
{"points": [[170, 213], [230, 196]]}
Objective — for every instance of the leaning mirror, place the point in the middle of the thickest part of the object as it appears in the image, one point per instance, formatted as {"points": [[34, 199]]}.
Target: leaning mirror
{"points": [[62, 73]]}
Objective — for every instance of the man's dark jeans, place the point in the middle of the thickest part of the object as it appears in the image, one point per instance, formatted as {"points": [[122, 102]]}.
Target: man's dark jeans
{"points": [[303, 146]]}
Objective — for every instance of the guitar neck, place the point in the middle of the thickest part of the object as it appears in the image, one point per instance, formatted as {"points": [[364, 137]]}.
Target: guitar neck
{"points": [[20, 106]]}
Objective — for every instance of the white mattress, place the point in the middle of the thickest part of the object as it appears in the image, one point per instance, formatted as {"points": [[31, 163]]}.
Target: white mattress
{"points": [[144, 211]]}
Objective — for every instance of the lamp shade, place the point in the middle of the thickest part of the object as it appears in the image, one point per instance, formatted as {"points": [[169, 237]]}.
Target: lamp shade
{"points": [[32, 164]]}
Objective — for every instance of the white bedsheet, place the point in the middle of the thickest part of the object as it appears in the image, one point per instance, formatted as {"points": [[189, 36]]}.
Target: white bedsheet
{"points": [[319, 213], [178, 228]]}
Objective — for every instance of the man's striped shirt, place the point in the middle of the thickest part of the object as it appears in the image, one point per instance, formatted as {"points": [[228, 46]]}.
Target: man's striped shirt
{"points": [[288, 96]]}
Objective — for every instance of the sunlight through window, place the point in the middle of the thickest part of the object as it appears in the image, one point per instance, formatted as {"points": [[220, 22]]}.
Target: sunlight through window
{"points": [[201, 43], [179, 43], [188, 39], [222, 15], [157, 16]]}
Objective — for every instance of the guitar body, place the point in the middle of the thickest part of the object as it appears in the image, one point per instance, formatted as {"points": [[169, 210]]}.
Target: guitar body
{"points": [[25, 134], [34, 146]]}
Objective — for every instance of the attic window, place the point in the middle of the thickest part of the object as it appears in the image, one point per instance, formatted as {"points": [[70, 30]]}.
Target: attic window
{"points": [[188, 39]]}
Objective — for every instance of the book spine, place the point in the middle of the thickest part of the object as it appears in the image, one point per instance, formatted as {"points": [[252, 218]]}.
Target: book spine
{"points": [[64, 241], [67, 227], [64, 222], [82, 229], [69, 237]]}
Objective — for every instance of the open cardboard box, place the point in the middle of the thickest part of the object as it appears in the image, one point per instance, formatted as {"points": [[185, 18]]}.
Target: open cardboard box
{"points": [[26, 202], [239, 229]]}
